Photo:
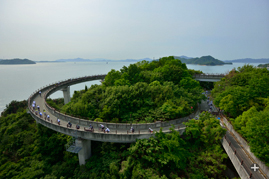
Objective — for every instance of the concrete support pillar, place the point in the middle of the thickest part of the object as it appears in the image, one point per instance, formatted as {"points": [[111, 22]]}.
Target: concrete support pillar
{"points": [[85, 153], [66, 92]]}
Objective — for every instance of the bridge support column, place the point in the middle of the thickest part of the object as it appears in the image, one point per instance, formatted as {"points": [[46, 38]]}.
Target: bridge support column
{"points": [[66, 92], [85, 153]]}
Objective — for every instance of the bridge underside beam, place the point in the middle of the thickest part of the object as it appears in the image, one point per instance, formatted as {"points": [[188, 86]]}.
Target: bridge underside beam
{"points": [[208, 80], [85, 153], [66, 92]]}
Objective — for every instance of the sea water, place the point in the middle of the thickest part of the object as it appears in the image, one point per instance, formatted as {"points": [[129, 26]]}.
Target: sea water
{"points": [[18, 82]]}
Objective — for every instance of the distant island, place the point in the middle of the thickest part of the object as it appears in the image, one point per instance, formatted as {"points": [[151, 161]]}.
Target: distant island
{"points": [[249, 60], [204, 60], [263, 65], [16, 61]]}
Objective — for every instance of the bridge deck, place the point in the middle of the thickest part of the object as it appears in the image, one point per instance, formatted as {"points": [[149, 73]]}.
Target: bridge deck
{"points": [[242, 156], [139, 133]]}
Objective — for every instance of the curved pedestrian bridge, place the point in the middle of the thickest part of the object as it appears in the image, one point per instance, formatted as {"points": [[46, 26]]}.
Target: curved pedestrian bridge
{"points": [[208, 78], [119, 132]]}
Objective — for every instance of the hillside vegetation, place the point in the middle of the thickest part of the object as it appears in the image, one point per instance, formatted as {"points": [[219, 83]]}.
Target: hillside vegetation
{"points": [[143, 92], [30, 150], [244, 96]]}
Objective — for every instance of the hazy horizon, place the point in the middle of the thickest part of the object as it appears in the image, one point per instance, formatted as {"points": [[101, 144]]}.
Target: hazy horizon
{"points": [[118, 30]]}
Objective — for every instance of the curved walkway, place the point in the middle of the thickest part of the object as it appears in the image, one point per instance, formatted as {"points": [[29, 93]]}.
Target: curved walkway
{"points": [[118, 132]]}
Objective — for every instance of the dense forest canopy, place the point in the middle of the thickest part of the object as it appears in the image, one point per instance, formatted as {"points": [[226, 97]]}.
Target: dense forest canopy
{"points": [[30, 150], [244, 96], [144, 92]]}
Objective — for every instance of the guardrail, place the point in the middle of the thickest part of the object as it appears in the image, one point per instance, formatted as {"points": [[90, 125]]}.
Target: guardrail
{"points": [[240, 158], [51, 88], [263, 168], [209, 75], [76, 120]]}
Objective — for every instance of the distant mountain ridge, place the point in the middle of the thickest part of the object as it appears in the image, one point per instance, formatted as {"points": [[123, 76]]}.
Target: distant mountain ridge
{"points": [[183, 56], [249, 60], [204, 60], [101, 60]]}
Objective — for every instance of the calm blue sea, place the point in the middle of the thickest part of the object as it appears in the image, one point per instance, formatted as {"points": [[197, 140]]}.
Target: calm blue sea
{"points": [[19, 81]]}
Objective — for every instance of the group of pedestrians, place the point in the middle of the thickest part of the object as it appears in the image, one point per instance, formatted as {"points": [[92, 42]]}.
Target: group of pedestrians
{"points": [[105, 129], [36, 109], [69, 124], [209, 102]]}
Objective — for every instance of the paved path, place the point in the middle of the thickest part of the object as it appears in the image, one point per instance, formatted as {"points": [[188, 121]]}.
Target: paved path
{"points": [[241, 155], [118, 132], [41, 102], [235, 145]]}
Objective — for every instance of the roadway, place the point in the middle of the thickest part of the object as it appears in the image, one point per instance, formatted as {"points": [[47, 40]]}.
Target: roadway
{"points": [[241, 155], [240, 152]]}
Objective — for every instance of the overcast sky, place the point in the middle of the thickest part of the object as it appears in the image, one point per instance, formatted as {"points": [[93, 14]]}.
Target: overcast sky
{"points": [[121, 29]]}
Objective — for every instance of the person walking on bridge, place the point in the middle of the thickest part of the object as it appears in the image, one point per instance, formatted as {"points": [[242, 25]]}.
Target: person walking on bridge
{"points": [[58, 121], [132, 129], [48, 116], [69, 124], [44, 112], [91, 127], [40, 93], [107, 130], [102, 127]]}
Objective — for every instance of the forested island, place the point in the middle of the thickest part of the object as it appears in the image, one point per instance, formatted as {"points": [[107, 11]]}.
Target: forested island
{"points": [[167, 90], [263, 65], [204, 60], [16, 61]]}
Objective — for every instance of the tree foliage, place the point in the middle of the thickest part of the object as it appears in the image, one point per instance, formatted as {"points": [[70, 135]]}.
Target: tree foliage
{"points": [[243, 94], [28, 150], [143, 92]]}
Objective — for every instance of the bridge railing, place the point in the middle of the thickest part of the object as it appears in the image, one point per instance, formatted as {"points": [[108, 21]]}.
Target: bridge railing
{"points": [[240, 158], [60, 84], [83, 122], [209, 75], [113, 136], [75, 120]]}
